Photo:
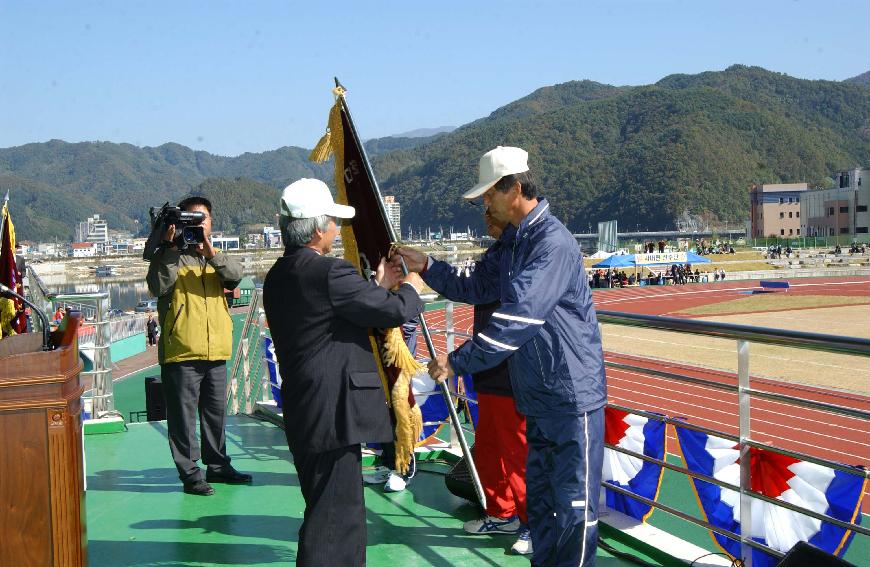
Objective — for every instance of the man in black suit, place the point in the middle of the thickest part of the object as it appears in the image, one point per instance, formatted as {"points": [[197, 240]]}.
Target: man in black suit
{"points": [[320, 311]]}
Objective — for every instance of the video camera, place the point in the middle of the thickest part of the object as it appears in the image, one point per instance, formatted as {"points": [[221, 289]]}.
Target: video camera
{"points": [[187, 229]]}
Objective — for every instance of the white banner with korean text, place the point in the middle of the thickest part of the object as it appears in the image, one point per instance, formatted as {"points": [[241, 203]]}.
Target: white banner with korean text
{"points": [[663, 258]]}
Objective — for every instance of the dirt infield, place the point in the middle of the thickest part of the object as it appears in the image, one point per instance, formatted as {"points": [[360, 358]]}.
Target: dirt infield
{"points": [[770, 302], [827, 370]]}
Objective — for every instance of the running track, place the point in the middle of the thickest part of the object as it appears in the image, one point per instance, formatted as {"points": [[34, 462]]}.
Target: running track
{"points": [[815, 432]]}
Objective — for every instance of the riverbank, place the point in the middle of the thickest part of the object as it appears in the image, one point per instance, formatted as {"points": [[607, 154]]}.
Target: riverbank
{"points": [[63, 271]]}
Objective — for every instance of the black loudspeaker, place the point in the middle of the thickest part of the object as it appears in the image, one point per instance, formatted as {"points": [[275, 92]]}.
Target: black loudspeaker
{"points": [[155, 402], [806, 555]]}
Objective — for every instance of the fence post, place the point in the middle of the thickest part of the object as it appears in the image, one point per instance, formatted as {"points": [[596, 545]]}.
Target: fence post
{"points": [[104, 400], [449, 335], [743, 400]]}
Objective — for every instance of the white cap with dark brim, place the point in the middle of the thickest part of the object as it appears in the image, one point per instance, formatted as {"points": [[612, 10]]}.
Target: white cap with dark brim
{"points": [[495, 164]]}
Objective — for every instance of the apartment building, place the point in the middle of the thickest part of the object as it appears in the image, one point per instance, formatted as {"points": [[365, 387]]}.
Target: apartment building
{"points": [[775, 209]]}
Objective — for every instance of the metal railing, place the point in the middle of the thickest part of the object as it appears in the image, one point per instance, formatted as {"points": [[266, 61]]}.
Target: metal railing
{"points": [[37, 293], [101, 374], [119, 328], [743, 335], [249, 375], [97, 332], [246, 378]]}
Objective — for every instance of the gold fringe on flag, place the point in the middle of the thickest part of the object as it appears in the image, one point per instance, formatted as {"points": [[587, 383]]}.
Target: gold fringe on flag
{"points": [[409, 420], [8, 313], [325, 147]]}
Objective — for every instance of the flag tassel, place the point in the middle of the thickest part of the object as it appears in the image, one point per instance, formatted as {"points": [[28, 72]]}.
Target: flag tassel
{"points": [[323, 149], [409, 418]]}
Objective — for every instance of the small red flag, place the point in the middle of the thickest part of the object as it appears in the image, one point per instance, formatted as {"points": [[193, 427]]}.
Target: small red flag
{"points": [[11, 310]]}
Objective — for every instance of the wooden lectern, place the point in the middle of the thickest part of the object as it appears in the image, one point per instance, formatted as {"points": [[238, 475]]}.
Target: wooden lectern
{"points": [[42, 512]]}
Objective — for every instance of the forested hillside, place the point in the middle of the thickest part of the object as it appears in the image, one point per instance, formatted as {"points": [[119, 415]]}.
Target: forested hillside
{"points": [[641, 155], [122, 181], [240, 205], [863, 79]]}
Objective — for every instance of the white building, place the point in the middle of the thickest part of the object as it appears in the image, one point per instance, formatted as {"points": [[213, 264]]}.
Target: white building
{"points": [[121, 247], [52, 249], [271, 237], [83, 249], [138, 245], [394, 213], [94, 229], [841, 211], [225, 242]]}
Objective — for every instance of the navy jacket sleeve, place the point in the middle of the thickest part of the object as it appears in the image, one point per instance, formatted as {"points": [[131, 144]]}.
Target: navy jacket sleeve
{"points": [[481, 286], [367, 304], [531, 298]]}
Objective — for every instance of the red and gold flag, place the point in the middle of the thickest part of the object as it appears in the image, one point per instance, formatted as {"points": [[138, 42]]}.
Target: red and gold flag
{"points": [[12, 319], [366, 241]]}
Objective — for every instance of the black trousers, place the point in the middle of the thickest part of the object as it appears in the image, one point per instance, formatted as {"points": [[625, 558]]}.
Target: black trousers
{"points": [[196, 386], [333, 531]]}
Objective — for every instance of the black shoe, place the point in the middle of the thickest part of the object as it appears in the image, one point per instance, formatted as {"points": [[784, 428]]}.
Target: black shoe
{"points": [[198, 488], [228, 476]]}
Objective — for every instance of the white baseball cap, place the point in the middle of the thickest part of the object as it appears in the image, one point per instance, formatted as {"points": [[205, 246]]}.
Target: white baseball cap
{"points": [[495, 164], [309, 198]]}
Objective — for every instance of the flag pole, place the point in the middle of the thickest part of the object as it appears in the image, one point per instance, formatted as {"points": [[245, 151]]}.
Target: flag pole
{"points": [[445, 392]]}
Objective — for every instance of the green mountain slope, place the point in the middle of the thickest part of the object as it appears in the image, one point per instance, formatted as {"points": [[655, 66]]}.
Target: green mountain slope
{"points": [[642, 155], [40, 212], [863, 80], [122, 181], [240, 205]]}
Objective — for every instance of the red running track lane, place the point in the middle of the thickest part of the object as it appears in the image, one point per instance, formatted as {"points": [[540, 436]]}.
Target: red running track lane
{"points": [[666, 300], [815, 432]]}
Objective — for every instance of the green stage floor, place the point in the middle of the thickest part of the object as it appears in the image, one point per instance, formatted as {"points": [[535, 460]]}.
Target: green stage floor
{"points": [[138, 515]]}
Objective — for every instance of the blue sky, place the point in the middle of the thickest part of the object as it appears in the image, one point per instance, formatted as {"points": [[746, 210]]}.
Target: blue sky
{"points": [[235, 77]]}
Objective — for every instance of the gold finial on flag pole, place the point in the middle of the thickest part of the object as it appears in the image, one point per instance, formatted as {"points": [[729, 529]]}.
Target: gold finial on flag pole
{"points": [[339, 89]]}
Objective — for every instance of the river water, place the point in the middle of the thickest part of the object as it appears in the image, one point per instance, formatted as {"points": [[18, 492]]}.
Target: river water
{"points": [[123, 295]]}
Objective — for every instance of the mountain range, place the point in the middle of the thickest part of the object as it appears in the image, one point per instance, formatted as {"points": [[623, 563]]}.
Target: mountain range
{"points": [[639, 154]]}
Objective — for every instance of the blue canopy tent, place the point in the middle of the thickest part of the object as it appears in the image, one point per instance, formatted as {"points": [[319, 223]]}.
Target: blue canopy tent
{"points": [[630, 260], [616, 261], [692, 258]]}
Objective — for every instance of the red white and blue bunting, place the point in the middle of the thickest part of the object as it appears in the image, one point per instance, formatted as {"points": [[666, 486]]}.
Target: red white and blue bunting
{"points": [[818, 488], [640, 435]]}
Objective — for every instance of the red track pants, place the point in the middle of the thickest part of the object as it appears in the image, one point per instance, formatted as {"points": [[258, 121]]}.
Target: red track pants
{"points": [[500, 453]]}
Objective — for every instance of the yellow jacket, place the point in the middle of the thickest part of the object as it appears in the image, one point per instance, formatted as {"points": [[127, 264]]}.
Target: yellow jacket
{"points": [[195, 322]]}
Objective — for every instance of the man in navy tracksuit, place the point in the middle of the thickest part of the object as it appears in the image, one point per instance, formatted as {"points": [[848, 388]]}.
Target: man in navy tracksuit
{"points": [[547, 330]]}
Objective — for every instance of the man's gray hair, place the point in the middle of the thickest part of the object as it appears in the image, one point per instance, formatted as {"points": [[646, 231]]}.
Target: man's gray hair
{"points": [[299, 232]]}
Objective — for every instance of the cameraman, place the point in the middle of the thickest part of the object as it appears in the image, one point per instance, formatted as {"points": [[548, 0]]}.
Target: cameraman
{"points": [[194, 346]]}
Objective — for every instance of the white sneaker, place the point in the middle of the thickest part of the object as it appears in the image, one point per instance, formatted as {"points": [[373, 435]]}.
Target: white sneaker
{"points": [[490, 525], [395, 483], [523, 545]]}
